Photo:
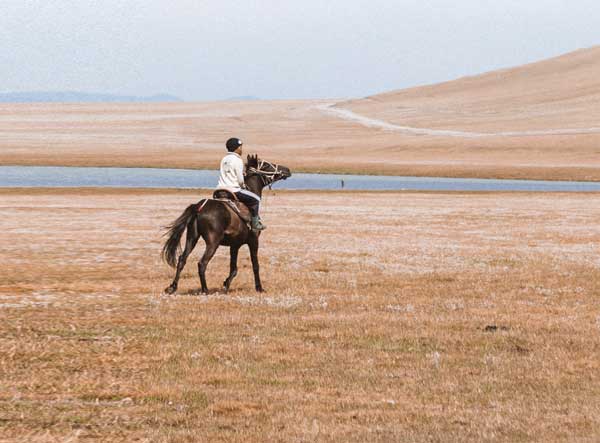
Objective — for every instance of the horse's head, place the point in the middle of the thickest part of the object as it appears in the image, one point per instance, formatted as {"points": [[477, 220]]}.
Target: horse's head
{"points": [[268, 172]]}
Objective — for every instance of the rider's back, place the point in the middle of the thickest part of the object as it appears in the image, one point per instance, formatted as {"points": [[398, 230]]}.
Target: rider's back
{"points": [[231, 176]]}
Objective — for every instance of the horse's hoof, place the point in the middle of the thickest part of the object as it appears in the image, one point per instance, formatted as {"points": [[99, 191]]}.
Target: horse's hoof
{"points": [[260, 289], [170, 290], [225, 289]]}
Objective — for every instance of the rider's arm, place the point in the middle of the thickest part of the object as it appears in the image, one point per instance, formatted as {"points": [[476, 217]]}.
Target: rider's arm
{"points": [[239, 171]]}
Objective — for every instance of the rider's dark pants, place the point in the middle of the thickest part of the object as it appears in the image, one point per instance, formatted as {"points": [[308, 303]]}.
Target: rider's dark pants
{"points": [[249, 199]]}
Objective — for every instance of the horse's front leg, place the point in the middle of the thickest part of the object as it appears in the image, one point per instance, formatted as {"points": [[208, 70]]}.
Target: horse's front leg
{"points": [[232, 267], [253, 245]]}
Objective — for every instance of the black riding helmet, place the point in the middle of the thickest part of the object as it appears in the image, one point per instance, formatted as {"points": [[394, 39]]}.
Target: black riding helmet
{"points": [[233, 143]]}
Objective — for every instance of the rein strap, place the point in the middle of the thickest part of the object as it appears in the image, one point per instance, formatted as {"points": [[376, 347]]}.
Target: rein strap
{"points": [[267, 177]]}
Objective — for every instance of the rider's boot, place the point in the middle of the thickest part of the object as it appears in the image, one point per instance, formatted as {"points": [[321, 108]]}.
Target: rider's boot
{"points": [[257, 224]]}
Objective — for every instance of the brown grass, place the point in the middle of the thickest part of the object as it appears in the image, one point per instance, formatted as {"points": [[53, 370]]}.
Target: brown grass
{"points": [[388, 317], [294, 133]]}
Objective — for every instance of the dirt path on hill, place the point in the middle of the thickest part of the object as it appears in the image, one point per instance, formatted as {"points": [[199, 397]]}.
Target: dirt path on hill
{"points": [[346, 114]]}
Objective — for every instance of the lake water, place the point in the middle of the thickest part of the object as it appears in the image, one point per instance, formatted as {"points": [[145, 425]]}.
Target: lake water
{"points": [[50, 176]]}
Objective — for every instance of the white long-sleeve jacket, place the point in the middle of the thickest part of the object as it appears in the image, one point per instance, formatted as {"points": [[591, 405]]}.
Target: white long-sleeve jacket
{"points": [[232, 173]]}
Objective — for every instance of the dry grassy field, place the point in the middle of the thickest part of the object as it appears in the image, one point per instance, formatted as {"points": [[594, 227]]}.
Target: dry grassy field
{"points": [[295, 133], [387, 317]]}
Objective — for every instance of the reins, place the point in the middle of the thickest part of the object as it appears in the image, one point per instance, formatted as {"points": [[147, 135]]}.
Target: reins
{"points": [[267, 177]]}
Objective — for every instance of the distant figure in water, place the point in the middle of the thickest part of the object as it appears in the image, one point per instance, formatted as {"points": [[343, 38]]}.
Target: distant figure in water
{"points": [[343, 184]]}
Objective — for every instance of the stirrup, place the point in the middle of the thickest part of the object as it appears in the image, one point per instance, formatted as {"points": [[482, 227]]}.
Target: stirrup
{"points": [[257, 224]]}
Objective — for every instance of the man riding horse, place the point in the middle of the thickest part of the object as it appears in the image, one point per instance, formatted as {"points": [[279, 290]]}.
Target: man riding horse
{"points": [[231, 179], [220, 221]]}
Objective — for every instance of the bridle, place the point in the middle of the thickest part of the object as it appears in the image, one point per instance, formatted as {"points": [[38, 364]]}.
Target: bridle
{"points": [[267, 177]]}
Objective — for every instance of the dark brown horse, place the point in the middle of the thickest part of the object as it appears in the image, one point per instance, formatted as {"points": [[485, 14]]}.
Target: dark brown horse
{"points": [[217, 223]]}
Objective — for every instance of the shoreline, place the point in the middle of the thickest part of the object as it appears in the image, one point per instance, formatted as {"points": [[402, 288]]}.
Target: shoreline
{"points": [[477, 172], [97, 191]]}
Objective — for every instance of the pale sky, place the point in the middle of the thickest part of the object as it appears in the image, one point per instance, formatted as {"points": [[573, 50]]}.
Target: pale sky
{"points": [[215, 49]]}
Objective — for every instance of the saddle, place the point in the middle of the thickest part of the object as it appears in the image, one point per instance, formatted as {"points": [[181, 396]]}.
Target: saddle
{"points": [[224, 194], [237, 206]]}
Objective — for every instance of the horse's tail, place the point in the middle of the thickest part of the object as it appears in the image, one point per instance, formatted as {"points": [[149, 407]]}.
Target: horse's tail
{"points": [[175, 230]]}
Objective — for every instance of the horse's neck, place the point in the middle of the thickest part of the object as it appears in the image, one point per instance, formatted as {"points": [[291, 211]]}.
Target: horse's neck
{"points": [[254, 184]]}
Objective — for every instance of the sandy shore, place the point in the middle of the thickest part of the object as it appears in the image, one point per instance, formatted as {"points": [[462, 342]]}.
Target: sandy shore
{"points": [[387, 317]]}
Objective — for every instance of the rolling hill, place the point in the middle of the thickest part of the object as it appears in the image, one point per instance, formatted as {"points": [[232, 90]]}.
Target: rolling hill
{"points": [[549, 95]]}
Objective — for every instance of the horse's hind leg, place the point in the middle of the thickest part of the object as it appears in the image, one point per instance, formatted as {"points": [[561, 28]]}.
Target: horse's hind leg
{"points": [[212, 243], [232, 267], [190, 242]]}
